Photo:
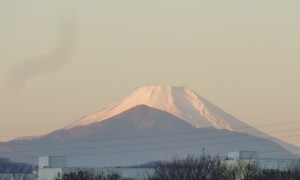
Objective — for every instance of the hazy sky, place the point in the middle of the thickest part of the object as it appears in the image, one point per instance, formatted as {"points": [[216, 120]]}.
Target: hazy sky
{"points": [[244, 56]]}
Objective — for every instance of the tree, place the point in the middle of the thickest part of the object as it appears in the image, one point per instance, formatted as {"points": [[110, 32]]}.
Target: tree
{"points": [[87, 175], [190, 168], [248, 170], [7, 166]]}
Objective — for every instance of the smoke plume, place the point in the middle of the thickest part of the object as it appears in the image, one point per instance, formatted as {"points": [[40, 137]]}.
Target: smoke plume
{"points": [[59, 58]]}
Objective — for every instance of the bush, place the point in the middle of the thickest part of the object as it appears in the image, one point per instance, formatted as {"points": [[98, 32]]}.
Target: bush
{"points": [[189, 168], [88, 175], [211, 168]]}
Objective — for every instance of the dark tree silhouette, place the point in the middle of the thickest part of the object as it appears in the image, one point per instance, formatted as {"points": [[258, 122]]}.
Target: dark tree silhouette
{"points": [[7, 166], [88, 175], [211, 168]]}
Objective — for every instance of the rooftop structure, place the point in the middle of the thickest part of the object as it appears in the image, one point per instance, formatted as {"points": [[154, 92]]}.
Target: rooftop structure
{"points": [[240, 155]]}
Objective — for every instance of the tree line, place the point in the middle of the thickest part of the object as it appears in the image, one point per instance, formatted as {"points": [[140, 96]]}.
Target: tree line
{"points": [[200, 168], [212, 168], [88, 175], [9, 167]]}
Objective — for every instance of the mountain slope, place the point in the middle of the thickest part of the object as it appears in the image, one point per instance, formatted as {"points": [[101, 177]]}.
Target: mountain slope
{"points": [[138, 135], [181, 102]]}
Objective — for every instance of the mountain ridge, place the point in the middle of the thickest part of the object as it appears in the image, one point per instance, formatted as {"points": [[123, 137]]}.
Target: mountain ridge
{"points": [[181, 102], [120, 141]]}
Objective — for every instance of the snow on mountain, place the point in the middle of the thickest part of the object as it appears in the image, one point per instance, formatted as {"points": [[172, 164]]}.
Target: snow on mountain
{"points": [[178, 101]]}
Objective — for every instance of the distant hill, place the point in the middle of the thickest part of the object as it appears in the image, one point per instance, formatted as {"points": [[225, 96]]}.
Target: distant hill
{"points": [[152, 164], [8, 167]]}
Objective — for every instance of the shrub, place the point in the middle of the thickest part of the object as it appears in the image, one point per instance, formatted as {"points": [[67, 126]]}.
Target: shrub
{"points": [[88, 175]]}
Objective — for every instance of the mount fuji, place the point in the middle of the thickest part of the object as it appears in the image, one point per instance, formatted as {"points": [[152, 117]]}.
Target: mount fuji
{"points": [[178, 101], [153, 123]]}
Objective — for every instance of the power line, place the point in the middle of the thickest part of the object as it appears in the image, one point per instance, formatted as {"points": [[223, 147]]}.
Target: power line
{"points": [[166, 148], [156, 135], [152, 143], [163, 148], [175, 147], [146, 149], [159, 135]]}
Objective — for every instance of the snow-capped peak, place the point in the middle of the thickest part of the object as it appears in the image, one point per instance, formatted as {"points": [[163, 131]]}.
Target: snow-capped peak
{"points": [[179, 101]]}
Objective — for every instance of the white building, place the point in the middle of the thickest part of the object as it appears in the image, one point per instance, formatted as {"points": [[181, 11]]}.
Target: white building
{"points": [[51, 166], [233, 158], [239, 155], [52, 162]]}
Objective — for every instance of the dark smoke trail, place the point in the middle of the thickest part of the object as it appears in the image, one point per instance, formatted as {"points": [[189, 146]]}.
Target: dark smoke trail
{"points": [[59, 58]]}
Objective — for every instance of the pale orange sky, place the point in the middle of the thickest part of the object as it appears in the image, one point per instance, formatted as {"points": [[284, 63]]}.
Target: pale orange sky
{"points": [[241, 55]]}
